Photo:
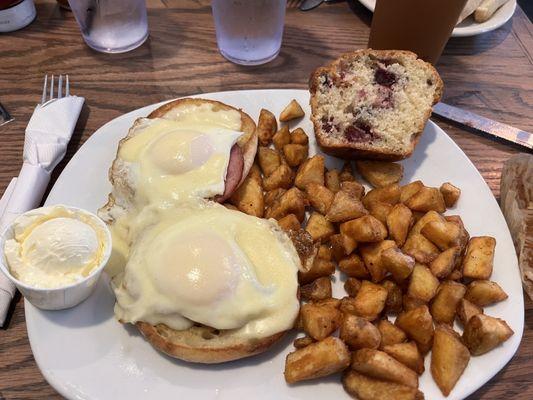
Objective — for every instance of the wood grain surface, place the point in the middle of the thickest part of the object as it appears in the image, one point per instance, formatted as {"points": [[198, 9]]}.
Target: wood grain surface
{"points": [[490, 74]]}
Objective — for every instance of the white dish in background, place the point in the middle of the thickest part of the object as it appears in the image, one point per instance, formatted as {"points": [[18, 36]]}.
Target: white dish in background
{"points": [[469, 27], [84, 353]]}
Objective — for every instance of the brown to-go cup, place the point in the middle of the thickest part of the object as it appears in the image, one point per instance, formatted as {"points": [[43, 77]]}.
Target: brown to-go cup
{"points": [[422, 26]]}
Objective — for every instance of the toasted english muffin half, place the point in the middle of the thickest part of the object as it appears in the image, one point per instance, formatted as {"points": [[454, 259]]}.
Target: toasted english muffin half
{"points": [[120, 200], [202, 344]]}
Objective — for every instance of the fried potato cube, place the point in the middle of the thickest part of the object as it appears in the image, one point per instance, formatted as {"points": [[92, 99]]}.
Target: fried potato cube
{"points": [[380, 365], [479, 257], [443, 234], [418, 325], [394, 303], [345, 207], [422, 221], [318, 359], [465, 237], [444, 305], [325, 252], [332, 180], [443, 265], [484, 293], [421, 249], [407, 354], [449, 358], [319, 321], [248, 198], [388, 194], [380, 173], [369, 301], [341, 246], [272, 195], [302, 342], [398, 264], [306, 249], [311, 170], [292, 111], [281, 138], [390, 333], [348, 243], [295, 154], [289, 223], [298, 136], [483, 333], [422, 285], [255, 174], [318, 269], [456, 275], [450, 193], [380, 210], [410, 303], [269, 160], [466, 310], [346, 174], [266, 127], [319, 227], [358, 333], [282, 177], [353, 266], [371, 254], [365, 388], [319, 196], [399, 220], [426, 199], [353, 188], [331, 302], [319, 289], [406, 191], [364, 229], [352, 286], [290, 202]]}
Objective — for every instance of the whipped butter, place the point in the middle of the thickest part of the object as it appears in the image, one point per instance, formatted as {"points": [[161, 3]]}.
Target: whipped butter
{"points": [[55, 246]]}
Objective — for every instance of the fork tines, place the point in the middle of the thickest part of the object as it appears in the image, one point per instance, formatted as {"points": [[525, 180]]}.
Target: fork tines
{"points": [[60, 93]]}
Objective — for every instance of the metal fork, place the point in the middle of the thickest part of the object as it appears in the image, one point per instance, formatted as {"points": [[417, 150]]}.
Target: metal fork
{"points": [[60, 94]]}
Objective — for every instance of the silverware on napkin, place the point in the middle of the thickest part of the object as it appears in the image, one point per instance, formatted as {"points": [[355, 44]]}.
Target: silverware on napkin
{"points": [[484, 125], [5, 117], [45, 144]]}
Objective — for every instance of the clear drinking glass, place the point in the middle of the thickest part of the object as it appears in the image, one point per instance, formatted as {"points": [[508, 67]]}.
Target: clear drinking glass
{"points": [[111, 26], [249, 32]]}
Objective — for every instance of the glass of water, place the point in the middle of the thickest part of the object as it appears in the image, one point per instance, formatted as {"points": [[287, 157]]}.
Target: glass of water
{"points": [[249, 32], [111, 26]]}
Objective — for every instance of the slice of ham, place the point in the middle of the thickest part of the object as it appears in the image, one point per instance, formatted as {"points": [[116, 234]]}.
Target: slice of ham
{"points": [[233, 173]]}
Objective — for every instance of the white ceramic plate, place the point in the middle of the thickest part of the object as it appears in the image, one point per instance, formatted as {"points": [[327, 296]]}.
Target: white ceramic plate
{"points": [[469, 27], [84, 353]]}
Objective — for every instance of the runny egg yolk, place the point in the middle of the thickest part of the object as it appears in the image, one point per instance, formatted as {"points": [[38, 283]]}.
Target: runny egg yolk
{"points": [[177, 152], [194, 269]]}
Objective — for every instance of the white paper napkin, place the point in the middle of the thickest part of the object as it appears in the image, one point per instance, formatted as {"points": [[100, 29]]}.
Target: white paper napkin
{"points": [[45, 144]]}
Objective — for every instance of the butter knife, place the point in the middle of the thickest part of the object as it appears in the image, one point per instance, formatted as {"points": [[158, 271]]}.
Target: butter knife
{"points": [[484, 125]]}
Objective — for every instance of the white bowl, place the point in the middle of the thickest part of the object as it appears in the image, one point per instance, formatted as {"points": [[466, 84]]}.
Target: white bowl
{"points": [[64, 296]]}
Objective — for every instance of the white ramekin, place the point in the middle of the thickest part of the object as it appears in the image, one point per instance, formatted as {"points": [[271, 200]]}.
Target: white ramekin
{"points": [[64, 296]]}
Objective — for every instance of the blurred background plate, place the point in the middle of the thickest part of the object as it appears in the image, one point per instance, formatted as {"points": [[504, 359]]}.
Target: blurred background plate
{"points": [[469, 27]]}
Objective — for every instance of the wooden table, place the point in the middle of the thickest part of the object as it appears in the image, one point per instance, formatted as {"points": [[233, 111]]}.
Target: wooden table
{"points": [[491, 74]]}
